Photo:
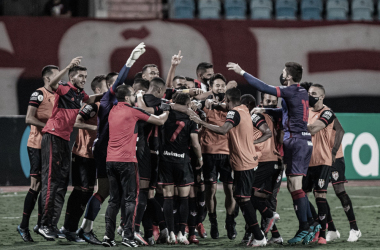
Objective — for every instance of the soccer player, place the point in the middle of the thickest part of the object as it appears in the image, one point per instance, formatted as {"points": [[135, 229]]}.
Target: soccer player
{"points": [[216, 159], [83, 173], [122, 169], [100, 149], [297, 139], [40, 107], [175, 168], [243, 158], [55, 150], [204, 73], [268, 169], [150, 71], [321, 126], [338, 179]]}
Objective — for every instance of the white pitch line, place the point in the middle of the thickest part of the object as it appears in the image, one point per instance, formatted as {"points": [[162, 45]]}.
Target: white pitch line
{"points": [[359, 196], [372, 206], [11, 218]]}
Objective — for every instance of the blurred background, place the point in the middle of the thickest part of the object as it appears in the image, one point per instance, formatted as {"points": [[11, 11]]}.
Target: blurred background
{"points": [[336, 41]]}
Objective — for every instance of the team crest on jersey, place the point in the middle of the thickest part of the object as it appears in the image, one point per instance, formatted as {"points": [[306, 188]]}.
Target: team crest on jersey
{"points": [[230, 115], [40, 98], [335, 175], [193, 213], [92, 114], [321, 183], [275, 166]]}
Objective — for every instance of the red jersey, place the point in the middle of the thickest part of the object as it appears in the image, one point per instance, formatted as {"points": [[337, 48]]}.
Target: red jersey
{"points": [[43, 100], [123, 132], [68, 101]]}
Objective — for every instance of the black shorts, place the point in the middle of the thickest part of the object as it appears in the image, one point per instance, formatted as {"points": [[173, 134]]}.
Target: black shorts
{"points": [[338, 170], [153, 171], [83, 172], [177, 174], [243, 182], [100, 156], [143, 159], [35, 161], [317, 179], [217, 166], [267, 175]]}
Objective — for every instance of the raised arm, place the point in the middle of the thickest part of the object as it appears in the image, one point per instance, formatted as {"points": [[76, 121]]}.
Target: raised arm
{"points": [[217, 129], [338, 137], [54, 83], [176, 60], [94, 98], [253, 81], [135, 54], [31, 117]]}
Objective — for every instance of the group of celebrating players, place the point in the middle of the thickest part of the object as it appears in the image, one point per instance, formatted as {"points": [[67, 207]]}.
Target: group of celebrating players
{"points": [[157, 149]]}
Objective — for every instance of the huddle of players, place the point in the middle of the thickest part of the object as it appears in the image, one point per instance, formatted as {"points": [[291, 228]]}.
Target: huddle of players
{"points": [[244, 150]]}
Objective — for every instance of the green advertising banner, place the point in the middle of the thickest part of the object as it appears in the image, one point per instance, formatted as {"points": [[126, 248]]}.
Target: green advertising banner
{"points": [[361, 145]]}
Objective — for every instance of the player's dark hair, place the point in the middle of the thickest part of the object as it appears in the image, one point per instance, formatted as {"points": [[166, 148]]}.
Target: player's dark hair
{"points": [[143, 83], [295, 70], [138, 75], [202, 67], [182, 99], [121, 92], [248, 100], [148, 66], [179, 77], [189, 79], [48, 70], [217, 76], [306, 85], [320, 86], [156, 83], [97, 82], [262, 94], [110, 75], [233, 95], [75, 69]]}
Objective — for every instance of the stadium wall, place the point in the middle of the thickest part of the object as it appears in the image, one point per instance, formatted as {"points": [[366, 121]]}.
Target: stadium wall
{"points": [[360, 145], [343, 56]]}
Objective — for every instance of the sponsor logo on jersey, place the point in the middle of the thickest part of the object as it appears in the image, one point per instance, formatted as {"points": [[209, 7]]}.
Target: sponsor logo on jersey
{"points": [[35, 94], [309, 143], [174, 154], [255, 118], [306, 134], [327, 115], [335, 175], [321, 183]]}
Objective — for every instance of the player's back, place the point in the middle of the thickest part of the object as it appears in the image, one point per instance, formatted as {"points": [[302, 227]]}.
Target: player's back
{"points": [[176, 137], [295, 106], [242, 150], [106, 103]]}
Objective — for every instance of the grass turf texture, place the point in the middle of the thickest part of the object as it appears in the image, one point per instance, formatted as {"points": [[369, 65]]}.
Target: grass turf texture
{"points": [[366, 201]]}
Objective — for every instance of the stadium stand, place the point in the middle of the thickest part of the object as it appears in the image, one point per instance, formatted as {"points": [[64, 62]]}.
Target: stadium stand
{"points": [[182, 9], [209, 9], [311, 9], [261, 9], [235, 9], [337, 9], [286, 9], [362, 10]]}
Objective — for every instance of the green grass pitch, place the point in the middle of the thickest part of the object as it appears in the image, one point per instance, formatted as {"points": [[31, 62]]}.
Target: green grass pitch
{"points": [[366, 201]]}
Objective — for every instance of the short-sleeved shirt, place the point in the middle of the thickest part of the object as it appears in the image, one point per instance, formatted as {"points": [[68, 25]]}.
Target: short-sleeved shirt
{"points": [[211, 142], [85, 138], [321, 140], [267, 148], [43, 100], [295, 111], [152, 131], [243, 155], [176, 138], [68, 101], [123, 132]]}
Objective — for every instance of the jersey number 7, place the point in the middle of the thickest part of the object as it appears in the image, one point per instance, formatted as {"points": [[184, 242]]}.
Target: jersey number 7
{"points": [[181, 125]]}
